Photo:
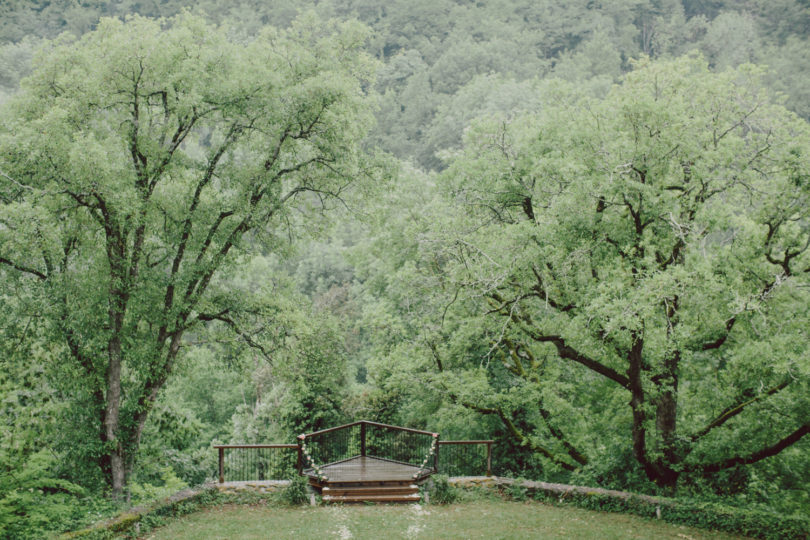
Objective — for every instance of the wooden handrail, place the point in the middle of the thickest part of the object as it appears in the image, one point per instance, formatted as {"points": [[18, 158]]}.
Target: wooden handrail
{"points": [[467, 442], [255, 446], [369, 423], [329, 430], [399, 428]]}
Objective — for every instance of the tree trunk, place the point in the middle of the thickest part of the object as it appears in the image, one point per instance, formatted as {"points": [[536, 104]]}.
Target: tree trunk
{"points": [[104, 460], [112, 419], [634, 374], [665, 422]]}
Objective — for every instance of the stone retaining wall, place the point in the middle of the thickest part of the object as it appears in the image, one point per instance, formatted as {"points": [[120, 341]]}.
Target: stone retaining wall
{"points": [[259, 486]]}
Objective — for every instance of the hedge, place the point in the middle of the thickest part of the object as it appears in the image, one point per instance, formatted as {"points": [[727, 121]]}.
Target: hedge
{"points": [[704, 515]]}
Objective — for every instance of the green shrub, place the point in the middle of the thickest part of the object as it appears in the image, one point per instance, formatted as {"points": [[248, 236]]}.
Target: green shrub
{"points": [[517, 491], [440, 490], [738, 520], [704, 515], [296, 492], [167, 484], [34, 501]]}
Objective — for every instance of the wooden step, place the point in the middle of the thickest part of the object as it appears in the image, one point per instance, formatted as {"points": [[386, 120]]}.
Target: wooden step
{"points": [[368, 483], [409, 489], [381, 492], [371, 498]]}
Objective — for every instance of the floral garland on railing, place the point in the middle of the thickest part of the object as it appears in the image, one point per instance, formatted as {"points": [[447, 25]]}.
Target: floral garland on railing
{"points": [[429, 455], [318, 472]]}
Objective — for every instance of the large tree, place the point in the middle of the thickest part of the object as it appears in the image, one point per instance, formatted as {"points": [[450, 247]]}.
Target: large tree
{"points": [[138, 162], [649, 251]]}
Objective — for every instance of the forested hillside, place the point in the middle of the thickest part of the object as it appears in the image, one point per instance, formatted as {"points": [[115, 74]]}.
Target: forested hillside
{"points": [[449, 61], [578, 228]]}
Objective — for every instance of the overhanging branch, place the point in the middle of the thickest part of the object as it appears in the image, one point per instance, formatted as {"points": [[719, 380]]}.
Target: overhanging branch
{"points": [[517, 434], [563, 349], [717, 343], [766, 452], [734, 410], [22, 268], [222, 317], [568, 352]]}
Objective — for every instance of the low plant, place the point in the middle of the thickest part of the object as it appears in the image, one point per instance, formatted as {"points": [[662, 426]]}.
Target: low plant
{"points": [[34, 501], [296, 492], [167, 484], [517, 491], [704, 515], [441, 491]]}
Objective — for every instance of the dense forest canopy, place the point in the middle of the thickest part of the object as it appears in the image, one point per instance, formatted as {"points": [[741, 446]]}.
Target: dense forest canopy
{"points": [[580, 229], [448, 61]]}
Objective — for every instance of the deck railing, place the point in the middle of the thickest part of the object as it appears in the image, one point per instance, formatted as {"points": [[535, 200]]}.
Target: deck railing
{"points": [[368, 439], [243, 462], [329, 446], [466, 458]]}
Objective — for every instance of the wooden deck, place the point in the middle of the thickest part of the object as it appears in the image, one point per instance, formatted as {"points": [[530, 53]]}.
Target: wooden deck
{"points": [[368, 469]]}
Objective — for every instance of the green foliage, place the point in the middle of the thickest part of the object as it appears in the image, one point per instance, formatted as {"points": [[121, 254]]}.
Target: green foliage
{"points": [[441, 491], [15, 63], [296, 492], [517, 491], [703, 515], [385, 320], [434, 49], [169, 484], [158, 198], [605, 231], [36, 501], [33, 500], [302, 390]]}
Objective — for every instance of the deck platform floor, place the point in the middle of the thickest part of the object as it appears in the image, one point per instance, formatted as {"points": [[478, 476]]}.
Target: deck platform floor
{"points": [[368, 469]]}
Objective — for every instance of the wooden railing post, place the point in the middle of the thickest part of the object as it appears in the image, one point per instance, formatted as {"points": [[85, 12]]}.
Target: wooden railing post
{"points": [[363, 438], [221, 465], [300, 454]]}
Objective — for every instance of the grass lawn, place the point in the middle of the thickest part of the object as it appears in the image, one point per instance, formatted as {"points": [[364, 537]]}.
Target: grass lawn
{"points": [[478, 519]]}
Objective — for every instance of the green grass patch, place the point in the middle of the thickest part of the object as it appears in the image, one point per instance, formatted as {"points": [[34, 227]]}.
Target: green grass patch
{"points": [[476, 519]]}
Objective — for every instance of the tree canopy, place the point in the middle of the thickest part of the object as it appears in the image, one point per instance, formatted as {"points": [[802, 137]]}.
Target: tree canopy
{"points": [[654, 247], [137, 162]]}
